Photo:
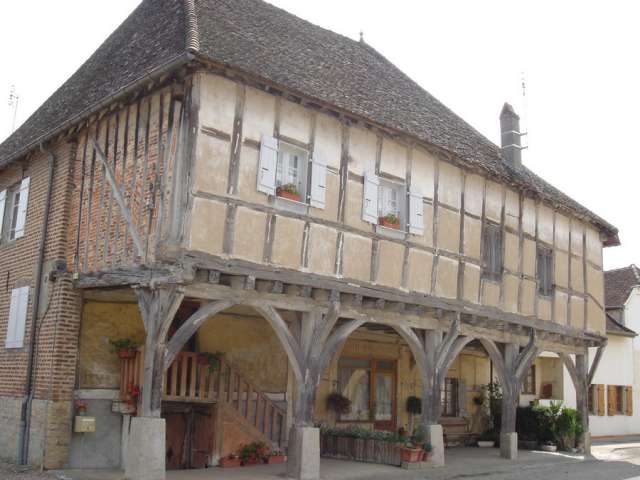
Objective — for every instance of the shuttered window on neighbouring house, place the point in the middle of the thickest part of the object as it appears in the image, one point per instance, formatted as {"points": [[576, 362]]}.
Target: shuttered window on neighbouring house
{"points": [[628, 410], [611, 400], [492, 252], [600, 402], [17, 317], [544, 270], [13, 210]]}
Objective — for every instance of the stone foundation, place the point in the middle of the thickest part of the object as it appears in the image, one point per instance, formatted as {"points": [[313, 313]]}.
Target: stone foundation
{"points": [[433, 435], [304, 453], [509, 445], [143, 448], [10, 408]]}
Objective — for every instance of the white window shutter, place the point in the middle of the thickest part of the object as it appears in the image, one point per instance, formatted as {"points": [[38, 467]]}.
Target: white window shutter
{"points": [[318, 183], [3, 201], [370, 198], [267, 165], [416, 212], [17, 317], [22, 208]]}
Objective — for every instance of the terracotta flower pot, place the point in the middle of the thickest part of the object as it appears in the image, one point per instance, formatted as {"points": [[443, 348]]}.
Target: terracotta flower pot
{"points": [[273, 459], [411, 455], [252, 460], [227, 462], [288, 195], [387, 224], [127, 353]]}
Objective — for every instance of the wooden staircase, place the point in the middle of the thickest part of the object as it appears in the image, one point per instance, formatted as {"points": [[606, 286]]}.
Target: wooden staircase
{"points": [[191, 381]]}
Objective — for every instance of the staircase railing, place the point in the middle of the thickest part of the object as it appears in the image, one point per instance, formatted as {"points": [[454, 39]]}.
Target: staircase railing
{"points": [[188, 379]]}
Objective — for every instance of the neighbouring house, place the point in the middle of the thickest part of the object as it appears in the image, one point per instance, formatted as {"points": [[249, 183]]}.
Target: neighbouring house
{"points": [[614, 388], [271, 213]]}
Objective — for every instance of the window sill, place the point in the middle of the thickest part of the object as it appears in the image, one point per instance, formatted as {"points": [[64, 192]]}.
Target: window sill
{"points": [[290, 205], [390, 232]]}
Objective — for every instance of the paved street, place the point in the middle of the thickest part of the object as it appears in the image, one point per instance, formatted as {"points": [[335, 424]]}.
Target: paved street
{"points": [[612, 460]]}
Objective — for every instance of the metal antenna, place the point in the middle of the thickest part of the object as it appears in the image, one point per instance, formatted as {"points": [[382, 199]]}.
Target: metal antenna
{"points": [[525, 118], [13, 102]]}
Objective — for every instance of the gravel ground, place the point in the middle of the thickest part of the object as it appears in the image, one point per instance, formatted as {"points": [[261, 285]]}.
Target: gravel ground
{"points": [[21, 472]]}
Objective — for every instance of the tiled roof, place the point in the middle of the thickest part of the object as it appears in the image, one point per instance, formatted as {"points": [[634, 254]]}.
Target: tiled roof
{"points": [[262, 40], [618, 284], [616, 328]]}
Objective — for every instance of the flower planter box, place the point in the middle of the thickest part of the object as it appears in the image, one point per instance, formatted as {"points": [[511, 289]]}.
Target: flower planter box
{"points": [[230, 462], [273, 459], [288, 195], [387, 224], [486, 443], [360, 450], [411, 455]]}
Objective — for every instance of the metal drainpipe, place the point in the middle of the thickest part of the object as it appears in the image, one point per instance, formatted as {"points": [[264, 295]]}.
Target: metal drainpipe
{"points": [[25, 418]]}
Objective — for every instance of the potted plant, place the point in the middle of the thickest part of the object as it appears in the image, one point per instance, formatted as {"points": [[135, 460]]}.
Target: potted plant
{"points": [[417, 437], [210, 359], [124, 347], [288, 191], [410, 453], [487, 439], [262, 450], [277, 456], [248, 454], [231, 460], [427, 449], [390, 220], [414, 407], [338, 403]]}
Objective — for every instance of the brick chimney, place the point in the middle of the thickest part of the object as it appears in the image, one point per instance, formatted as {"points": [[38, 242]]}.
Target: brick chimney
{"points": [[510, 134]]}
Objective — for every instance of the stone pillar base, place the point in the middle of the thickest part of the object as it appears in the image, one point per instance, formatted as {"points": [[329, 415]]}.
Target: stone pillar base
{"points": [[509, 445], [144, 452], [433, 435], [303, 462]]}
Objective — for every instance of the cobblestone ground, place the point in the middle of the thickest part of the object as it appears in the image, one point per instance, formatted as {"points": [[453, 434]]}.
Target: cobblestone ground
{"points": [[20, 472]]}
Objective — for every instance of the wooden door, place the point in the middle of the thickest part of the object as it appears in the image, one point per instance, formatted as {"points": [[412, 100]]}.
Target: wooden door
{"points": [[176, 427], [202, 437], [190, 431]]}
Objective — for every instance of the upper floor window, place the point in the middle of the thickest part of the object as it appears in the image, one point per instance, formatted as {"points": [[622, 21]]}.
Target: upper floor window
{"points": [[544, 265], [17, 317], [13, 210], [492, 252], [288, 172]]}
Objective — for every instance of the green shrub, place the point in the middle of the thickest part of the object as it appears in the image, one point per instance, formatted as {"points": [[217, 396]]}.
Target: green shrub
{"points": [[414, 405]]}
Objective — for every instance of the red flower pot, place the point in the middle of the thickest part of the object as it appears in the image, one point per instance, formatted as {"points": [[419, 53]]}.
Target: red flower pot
{"points": [[127, 353], [411, 455], [273, 459], [288, 195], [252, 460], [386, 223], [227, 462]]}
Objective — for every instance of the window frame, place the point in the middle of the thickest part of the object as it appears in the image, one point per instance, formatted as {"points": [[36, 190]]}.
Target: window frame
{"points": [[11, 212], [303, 171], [492, 252], [529, 383], [400, 189], [449, 407], [545, 285]]}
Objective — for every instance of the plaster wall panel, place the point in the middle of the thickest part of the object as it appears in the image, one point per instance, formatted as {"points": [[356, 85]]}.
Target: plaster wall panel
{"points": [[287, 242], [528, 296], [449, 184], [562, 232], [217, 102], [490, 293], [447, 278], [545, 224], [544, 308], [561, 269], [332, 196], [248, 176], [577, 274], [419, 275], [259, 114], [595, 317], [511, 284], [356, 257], [207, 226], [295, 121], [560, 304], [322, 249], [423, 171], [474, 194], [353, 206], [529, 257], [512, 210], [427, 233], [248, 241], [493, 201], [511, 251], [328, 140], [471, 283], [595, 283], [577, 312], [363, 147], [394, 158], [390, 261], [472, 236], [448, 230], [529, 216], [577, 234], [212, 165], [594, 246]]}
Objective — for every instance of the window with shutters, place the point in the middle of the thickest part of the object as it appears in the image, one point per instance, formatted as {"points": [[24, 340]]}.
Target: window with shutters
{"points": [[391, 200], [592, 400], [492, 252], [291, 173], [544, 261], [13, 210], [449, 397], [620, 400], [529, 384], [17, 317]]}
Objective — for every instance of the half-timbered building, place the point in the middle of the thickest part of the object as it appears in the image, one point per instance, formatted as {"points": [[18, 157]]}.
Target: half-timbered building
{"points": [[242, 182]]}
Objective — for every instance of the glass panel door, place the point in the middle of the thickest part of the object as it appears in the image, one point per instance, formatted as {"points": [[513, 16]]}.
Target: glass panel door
{"points": [[383, 402]]}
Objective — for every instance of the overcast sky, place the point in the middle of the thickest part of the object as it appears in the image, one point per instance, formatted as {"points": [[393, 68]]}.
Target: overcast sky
{"points": [[580, 60]]}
